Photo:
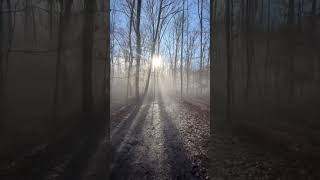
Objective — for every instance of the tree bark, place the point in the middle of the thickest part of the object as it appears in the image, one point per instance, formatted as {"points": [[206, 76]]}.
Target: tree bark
{"points": [[249, 50], [291, 41], [313, 14], [107, 88], [50, 4], [181, 59], [176, 57], [1, 68], [87, 59], [229, 63], [200, 14], [188, 50], [138, 55], [65, 12], [131, 6]]}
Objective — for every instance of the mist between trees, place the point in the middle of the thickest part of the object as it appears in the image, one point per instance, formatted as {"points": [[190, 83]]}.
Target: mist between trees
{"points": [[265, 79], [52, 71], [160, 89], [267, 57], [164, 40]]}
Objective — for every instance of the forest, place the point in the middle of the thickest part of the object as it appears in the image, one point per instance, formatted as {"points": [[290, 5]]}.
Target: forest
{"points": [[160, 89], [176, 43], [265, 81], [54, 86]]}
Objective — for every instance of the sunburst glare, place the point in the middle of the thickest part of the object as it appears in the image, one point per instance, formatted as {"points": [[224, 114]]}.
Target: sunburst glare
{"points": [[157, 61]]}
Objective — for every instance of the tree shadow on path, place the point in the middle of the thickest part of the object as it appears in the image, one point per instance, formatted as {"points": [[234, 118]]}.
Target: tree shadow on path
{"points": [[179, 162], [125, 142]]}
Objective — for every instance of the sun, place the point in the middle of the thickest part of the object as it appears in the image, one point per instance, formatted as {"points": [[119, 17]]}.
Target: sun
{"points": [[157, 61]]}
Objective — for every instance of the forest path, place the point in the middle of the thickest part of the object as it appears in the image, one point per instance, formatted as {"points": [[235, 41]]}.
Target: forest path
{"points": [[164, 138]]}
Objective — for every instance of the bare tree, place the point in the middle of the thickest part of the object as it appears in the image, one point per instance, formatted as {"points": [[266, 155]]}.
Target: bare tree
{"points": [[313, 13], [138, 55], [190, 54], [154, 41], [87, 57], [181, 59], [131, 9], [106, 87], [200, 15], [50, 21], [177, 40], [228, 55], [65, 11], [1, 64]]}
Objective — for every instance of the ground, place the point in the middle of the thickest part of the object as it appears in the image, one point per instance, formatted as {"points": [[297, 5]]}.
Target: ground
{"points": [[163, 138], [168, 138], [257, 154]]}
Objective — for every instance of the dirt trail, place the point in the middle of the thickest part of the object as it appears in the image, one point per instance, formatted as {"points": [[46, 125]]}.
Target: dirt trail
{"points": [[161, 139]]}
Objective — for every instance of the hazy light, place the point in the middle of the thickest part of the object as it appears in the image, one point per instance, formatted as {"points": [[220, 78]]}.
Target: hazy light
{"points": [[157, 60]]}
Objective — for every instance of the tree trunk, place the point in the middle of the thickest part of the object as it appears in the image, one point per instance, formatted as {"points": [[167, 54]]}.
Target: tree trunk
{"points": [[64, 18], [4, 56], [153, 48], [248, 34], [242, 15], [181, 59], [27, 22], [213, 53], [50, 4], [201, 42], [229, 63], [176, 57], [138, 55], [267, 48], [87, 59], [10, 38], [291, 41], [262, 12], [35, 40], [300, 14], [107, 88], [1, 68], [130, 48], [313, 14], [188, 50]]}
